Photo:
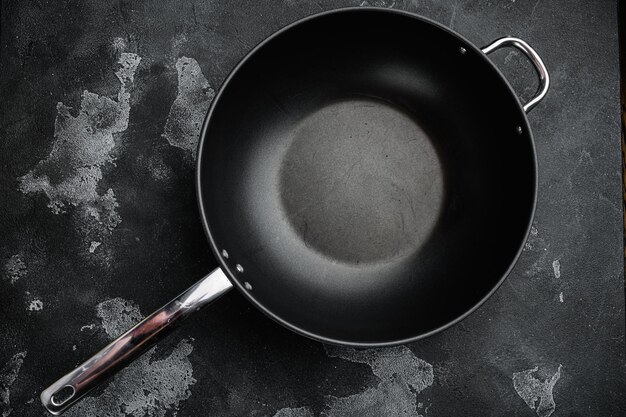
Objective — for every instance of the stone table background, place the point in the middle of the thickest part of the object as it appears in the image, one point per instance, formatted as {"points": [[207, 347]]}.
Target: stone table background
{"points": [[100, 112]]}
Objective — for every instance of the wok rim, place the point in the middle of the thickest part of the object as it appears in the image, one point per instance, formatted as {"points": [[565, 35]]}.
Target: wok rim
{"points": [[230, 274]]}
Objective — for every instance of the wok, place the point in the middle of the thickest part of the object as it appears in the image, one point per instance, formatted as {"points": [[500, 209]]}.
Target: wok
{"points": [[365, 177]]}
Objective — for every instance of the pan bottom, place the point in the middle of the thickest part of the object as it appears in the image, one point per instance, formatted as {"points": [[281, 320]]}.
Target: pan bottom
{"points": [[362, 181]]}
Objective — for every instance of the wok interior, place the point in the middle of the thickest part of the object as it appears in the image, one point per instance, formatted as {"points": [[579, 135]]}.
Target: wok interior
{"points": [[367, 176]]}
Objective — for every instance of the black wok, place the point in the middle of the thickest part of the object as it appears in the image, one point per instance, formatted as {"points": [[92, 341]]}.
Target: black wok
{"points": [[365, 177]]}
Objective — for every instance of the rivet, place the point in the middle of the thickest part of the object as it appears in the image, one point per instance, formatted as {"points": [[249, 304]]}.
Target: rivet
{"points": [[247, 285], [224, 254], [239, 268], [462, 50]]}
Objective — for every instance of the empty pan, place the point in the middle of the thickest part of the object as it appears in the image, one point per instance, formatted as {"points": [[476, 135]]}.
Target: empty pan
{"points": [[365, 177]]}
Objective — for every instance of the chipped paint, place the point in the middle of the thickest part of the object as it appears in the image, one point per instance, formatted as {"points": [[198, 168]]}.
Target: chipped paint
{"points": [[556, 267], [8, 375], [294, 412], [118, 315], [402, 376], [35, 305], [561, 297], [87, 327], [147, 387], [537, 394], [15, 269], [69, 176], [187, 113], [93, 246]]}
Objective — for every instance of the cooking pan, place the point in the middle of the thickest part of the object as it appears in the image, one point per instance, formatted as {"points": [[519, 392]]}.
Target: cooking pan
{"points": [[365, 177]]}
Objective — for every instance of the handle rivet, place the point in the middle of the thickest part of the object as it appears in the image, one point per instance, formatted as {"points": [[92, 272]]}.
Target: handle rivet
{"points": [[224, 254], [247, 285], [519, 130], [239, 268], [462, 50]]}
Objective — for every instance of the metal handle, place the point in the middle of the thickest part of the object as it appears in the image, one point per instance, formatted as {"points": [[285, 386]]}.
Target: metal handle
{"points": [[119, 353], [535, 59]]}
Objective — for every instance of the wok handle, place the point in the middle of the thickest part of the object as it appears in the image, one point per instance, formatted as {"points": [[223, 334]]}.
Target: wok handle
{"points": [[535, 59], [119, 353]]}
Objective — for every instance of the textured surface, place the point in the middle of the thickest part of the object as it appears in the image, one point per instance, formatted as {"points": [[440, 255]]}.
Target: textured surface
{"points": [[98, 222]]}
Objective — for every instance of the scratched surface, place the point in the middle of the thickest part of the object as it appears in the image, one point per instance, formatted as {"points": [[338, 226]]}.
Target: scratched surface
{"points": [[102, 103]]}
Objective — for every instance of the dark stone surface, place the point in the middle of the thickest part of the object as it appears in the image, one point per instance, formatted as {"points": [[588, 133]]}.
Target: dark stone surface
{"points": [[114, 166]]}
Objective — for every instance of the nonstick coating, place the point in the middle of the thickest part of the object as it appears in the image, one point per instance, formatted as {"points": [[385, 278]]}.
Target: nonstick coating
{"points": [[370, 181]]}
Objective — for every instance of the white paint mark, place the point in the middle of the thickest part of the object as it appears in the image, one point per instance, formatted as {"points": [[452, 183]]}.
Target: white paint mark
{"points": [[118, 315], [538, 245], [119, 44], [35, 305], [93, 246], [455, 8], [402, 376], [155, 166], [187, 113], [510, 56], [561, 297], [8, 375], [73, 347], [387, 399], [388, 363], [89, 326], [70, 174], [294, 412], [531, 238], [15, 269], [556, 267], [30, 401], [178, 41], [536, 394], [378, 3], [532, 12]]}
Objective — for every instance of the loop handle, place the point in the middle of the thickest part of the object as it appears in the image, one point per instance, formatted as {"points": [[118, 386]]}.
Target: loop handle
{"points": [[535, 59]]}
